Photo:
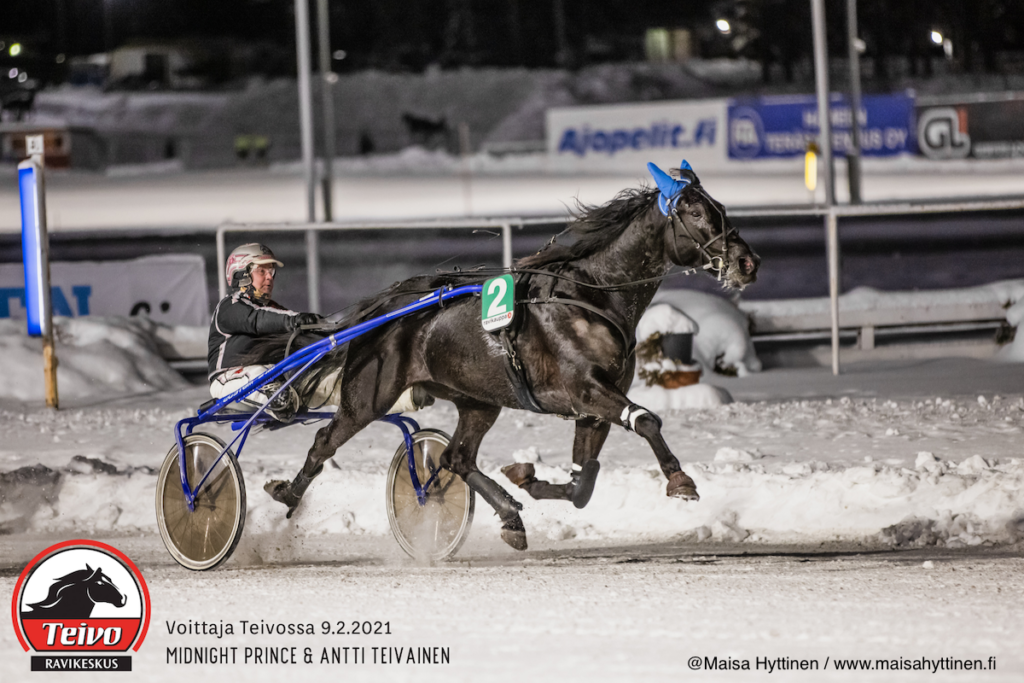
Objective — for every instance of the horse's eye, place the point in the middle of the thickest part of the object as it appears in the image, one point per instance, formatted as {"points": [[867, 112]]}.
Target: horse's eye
{"points": [[695, 214]]}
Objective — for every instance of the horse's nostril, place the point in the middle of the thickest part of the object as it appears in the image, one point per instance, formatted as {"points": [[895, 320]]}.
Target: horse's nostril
{"points": [[747, 265]]}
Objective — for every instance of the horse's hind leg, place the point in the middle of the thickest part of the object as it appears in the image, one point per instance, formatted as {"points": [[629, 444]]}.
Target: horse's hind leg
{"points": [[327, 442], [590, 437], [474, 421]]}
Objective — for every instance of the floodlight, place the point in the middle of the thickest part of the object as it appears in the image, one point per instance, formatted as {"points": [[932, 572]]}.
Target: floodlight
{"points": [[15, 49], [723, 26], [936, 37]]}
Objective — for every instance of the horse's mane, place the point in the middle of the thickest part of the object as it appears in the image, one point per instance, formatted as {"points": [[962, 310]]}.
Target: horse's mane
{"points": [[595, 227], [58, 586]]}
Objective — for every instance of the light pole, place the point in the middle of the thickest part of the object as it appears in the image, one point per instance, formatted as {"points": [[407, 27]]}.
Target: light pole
{"points": [[306, 134], [825, 128], [328, 77], [853, 155]]}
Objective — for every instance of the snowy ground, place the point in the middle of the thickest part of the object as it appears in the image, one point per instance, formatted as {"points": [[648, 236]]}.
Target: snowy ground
{"points": [[599, 613], [809, 483]]}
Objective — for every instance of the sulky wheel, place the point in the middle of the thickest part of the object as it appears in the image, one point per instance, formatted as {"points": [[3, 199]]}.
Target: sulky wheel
{"points": [[204, 537], [434, 531]]}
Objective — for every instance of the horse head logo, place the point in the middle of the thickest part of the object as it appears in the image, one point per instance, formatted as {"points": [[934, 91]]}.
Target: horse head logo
{"points": [[74, 595]]}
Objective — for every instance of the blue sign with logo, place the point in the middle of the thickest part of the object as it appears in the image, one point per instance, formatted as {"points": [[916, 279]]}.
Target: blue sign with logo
{"points": [[777, 127]]}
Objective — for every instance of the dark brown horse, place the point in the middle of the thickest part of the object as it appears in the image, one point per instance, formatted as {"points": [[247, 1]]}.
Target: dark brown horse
{"points": [[577, 311]]}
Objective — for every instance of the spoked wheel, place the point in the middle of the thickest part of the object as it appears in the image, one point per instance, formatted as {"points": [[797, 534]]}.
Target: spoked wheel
{"points": [[437, 530], [204, 537]]}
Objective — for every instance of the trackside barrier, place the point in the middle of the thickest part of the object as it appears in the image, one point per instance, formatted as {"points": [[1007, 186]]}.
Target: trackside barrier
{"points": [[831, 215], [312, 258], [831, 218]]}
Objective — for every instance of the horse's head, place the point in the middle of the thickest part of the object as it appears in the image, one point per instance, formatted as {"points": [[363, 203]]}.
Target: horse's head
{"points": [[699, 233], [102, 589], [76, 593]]}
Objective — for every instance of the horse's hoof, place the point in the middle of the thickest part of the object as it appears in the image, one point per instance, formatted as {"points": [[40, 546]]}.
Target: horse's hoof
{"points": [[514, 533], [681, 486], [521, 473], [281, 491], [582, 485]]}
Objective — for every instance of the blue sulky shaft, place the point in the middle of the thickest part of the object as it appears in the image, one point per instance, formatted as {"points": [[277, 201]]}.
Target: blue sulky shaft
{"points": [[301, 361]]}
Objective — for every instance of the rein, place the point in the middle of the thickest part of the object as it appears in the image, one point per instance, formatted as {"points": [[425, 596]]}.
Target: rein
{"points": [[709, 261]]}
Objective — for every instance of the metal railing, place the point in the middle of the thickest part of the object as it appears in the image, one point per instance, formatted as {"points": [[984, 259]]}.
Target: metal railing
{"points": [[831, 216], [312, 255]]}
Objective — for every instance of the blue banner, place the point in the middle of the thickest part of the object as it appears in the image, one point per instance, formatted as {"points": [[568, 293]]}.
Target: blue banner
{"points": [[777, 127]]}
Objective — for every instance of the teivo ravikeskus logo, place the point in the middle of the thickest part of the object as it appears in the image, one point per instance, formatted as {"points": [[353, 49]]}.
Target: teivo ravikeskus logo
{"points": [[78, 604]]}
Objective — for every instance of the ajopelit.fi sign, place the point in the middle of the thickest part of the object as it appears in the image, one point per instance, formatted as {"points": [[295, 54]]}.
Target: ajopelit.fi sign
{"points": [[777, 127], [603, 132]]}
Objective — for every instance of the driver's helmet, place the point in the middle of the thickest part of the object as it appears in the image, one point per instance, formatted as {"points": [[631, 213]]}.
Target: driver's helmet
{"points": [[241, 261]]}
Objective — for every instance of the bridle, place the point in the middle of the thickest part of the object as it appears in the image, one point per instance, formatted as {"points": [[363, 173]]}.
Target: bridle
{"points": [[718, 263]]}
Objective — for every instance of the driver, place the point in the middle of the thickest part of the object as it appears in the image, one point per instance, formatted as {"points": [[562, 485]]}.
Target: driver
{"points": [[244, 315]]}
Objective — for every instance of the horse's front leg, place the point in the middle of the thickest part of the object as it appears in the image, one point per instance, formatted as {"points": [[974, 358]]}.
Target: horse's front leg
{"points": [[609, 403], [590, 437]]}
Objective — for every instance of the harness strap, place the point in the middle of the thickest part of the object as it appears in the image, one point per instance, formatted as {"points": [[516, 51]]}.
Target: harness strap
{"points": [[517, 375], [628, 343]]}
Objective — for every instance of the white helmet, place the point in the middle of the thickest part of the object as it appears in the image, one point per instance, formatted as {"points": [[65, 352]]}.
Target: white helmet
{"points": [[245, 256]]}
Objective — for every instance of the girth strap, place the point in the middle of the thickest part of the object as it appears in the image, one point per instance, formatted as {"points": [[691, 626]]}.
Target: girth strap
{"points": [[517, 375]]}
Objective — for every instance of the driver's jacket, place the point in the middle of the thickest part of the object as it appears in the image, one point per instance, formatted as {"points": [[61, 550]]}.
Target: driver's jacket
{"points": [[238, 321]]}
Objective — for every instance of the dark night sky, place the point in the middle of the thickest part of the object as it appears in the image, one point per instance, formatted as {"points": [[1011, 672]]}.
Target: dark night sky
{"points": [[413, 33]]}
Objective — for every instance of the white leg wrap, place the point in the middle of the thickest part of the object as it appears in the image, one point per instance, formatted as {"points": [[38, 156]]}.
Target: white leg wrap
{"points": [[630, 414]]}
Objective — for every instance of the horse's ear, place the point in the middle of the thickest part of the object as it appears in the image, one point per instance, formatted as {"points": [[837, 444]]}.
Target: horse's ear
{"points": [[95, 572], [669, 187], [686, 173]]}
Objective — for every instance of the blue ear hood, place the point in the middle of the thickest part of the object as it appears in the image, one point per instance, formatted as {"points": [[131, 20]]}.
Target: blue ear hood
{"points": [[670, 187]]}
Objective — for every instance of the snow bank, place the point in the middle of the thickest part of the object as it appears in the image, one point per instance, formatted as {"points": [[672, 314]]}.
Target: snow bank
{"points": [[96, 357], [1005, 293], [744, 497], [724, 338], [694, 397], [934, 472]]}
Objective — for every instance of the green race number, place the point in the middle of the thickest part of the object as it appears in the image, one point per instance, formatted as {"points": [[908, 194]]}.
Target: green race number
{"points": [[497, 303]]}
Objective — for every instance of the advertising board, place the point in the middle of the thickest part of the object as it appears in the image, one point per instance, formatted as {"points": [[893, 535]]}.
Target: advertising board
{"points": [[783, 126], [662, 132], [972, 126], [170, 289]]}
